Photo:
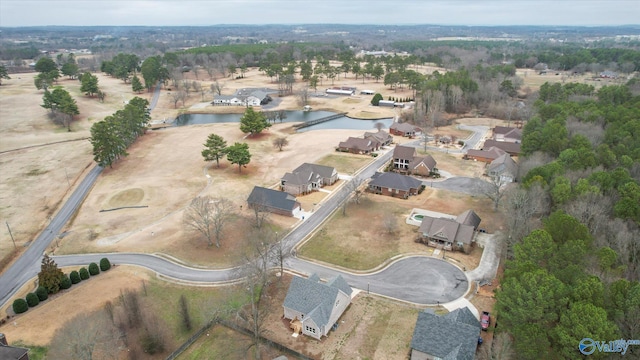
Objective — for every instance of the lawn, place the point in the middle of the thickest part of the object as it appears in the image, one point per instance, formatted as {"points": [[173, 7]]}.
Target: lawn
{"points": [[344, 162]]}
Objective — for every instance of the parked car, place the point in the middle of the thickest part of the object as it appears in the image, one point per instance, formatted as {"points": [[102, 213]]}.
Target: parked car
{"points": [[485, 320]]}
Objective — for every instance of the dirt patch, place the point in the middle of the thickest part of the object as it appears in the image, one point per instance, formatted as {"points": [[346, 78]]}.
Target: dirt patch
{"points": [[38, 325]]}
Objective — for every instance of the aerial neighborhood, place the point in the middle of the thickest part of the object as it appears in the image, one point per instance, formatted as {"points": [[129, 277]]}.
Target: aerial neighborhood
{"points": [[318, 191]]}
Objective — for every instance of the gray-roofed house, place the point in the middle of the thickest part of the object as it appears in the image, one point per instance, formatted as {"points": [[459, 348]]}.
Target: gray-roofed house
{"points": [[8, 352], [395, 185], [383, 137], [358, 145], [508, 134], [503, 169], [446, 233], [486, 156], [453, 336], [307, 178], [315, 305], [277, 202], [404, 129]]}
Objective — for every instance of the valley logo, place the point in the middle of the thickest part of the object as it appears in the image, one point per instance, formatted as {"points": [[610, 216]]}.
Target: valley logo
{"points": [[588, 346]]}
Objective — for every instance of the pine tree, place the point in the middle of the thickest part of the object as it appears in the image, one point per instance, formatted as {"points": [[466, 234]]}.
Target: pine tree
{"points": [[215, 148], [50, 275], [238, 153], [253, 122], [136, 84]]}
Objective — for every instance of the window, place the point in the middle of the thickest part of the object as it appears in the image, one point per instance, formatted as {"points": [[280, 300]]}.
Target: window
{"points": [[310, 329], [337, 303]]}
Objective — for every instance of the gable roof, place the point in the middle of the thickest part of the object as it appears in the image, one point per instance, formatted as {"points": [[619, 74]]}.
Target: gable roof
{"points": [[508, 132], [395, 181], [313, 298], [452, 336], [322, 170], [301, 177], [447, 229], [359, 144], [491, 153], [511, 148], [470, 218], [503, 163], [11, 352], [428, 161], [381, 136], [403, 127], [272, 198], [404, 152]]}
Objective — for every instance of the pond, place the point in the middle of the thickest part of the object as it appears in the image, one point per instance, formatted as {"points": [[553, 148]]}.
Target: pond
{"points": [[342, 122]]}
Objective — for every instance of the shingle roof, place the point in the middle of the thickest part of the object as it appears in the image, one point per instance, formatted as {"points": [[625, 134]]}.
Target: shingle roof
{"points": [[453, 336], [428, 160], [511, 148], [11, 352], [404, 152], [393, 180], [381, 136], [491, 153], [272, 198], [313, 298], [504, 163], [359, 144], [447, 229], [322, 170], [404, 127], [470, 218]]}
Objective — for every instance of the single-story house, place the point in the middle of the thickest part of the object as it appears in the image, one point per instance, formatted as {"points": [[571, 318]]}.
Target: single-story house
{"points": [[508, 134], [452, 336], [227, 100], [383, 137], [8, 352], [504, 169], [359, 146], [447, 233], [387, 103], [277, 202], [512, 149], [367, 92], [422, 165], [313, 306], [308, 177], [486, 156], [404, 129], [393, 184], [608, 74], [341, 91]]}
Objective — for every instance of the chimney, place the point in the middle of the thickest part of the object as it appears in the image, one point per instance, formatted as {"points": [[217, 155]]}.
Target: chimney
{"points": [[3, 340]]}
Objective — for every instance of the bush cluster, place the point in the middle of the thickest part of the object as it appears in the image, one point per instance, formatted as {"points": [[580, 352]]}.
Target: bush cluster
{"points": [[41, 294]]}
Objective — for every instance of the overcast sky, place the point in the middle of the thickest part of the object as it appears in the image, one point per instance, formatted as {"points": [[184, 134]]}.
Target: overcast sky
{"points": [[386, 12]]}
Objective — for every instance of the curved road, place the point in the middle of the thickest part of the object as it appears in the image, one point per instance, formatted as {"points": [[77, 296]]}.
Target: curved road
{"points": [[420, 280]]}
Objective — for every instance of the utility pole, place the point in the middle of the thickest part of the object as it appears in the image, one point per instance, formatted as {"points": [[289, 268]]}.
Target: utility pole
{"points": [[10, 234]]}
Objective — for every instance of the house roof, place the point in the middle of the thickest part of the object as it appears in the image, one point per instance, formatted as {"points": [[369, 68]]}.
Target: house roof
{"points": [[428, 161], [224, 97], [395, 181], [404, 152], [403, 127], [306, 173], [511, 148], [11, 352], [359, 144], [491, 153], [447, 229], [509, 132], [272, 198], [322, 170], [502, 164], [381, 136], [314, 298], [470, 218], [452, 336]]}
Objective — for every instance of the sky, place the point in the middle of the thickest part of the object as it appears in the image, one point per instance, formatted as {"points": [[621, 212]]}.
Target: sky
{"points": [[257, 12]]}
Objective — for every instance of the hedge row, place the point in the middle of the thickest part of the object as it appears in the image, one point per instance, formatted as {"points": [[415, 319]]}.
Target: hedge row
{"points": [[41, 294]]}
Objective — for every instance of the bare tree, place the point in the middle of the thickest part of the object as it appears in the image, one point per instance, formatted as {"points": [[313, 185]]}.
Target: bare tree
{"points": [[86, 336], [208, 216], [303, 96], [494, 189], [379, 126], [260, 212], [390, 223], [280, 142], [355, 193], [197, 87], [501, 348], [523, 208], [177, 96], [217, 87]]}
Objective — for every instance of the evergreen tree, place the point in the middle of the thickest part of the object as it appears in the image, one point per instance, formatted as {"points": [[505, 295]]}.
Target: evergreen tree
{"points": [[215, 149], [136, 84], [3, 73], [253, 122], [238, 153], [89, 84], [50, 275]]}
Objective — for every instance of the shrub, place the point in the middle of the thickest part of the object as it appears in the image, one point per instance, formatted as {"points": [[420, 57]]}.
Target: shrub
{"points": [[93, 269], [84, 273], [75, 277], [105, 264], [375, 101], [65, 282], [20, 306], [32, 299], [42, 293]]}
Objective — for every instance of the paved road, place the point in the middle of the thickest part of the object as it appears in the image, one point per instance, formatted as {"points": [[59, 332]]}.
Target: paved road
{"points": [[421, 280], [18, 273]]}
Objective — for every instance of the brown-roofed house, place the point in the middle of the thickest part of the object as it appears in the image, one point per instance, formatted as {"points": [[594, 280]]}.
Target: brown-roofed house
{"points": [[512, 149], [423, 165], [508, 134], [448, 233], [383, 137], [395, 185], [486, 156], [359, 146], [404, 129], [402, 157]]}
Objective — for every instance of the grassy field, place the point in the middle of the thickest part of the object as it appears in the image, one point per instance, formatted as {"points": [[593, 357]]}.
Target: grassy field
{"points": [[344, 162]]}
